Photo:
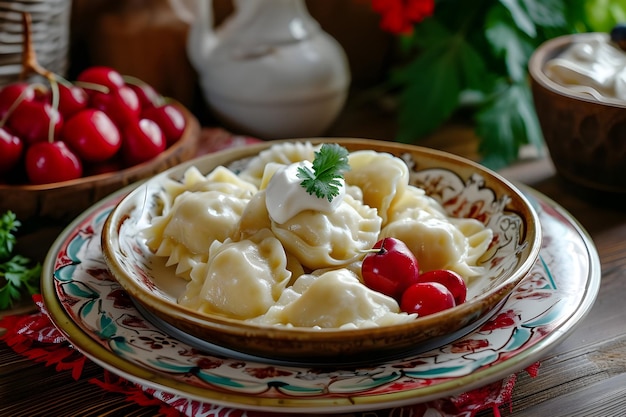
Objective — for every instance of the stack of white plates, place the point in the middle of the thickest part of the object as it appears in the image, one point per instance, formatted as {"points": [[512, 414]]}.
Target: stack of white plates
{"points": [[50, 27]]}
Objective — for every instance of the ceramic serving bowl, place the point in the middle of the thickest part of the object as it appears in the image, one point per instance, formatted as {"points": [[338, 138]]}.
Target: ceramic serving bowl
{"points": [[464, 188], [61, 202], [584, 134]]}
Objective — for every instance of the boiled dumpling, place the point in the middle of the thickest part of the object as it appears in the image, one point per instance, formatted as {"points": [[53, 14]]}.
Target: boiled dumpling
{"points": [[240, 279], [320, 240], [382, 178], [335, 299], [413, 201], [284, 153], [441, 243], [196, 218]]}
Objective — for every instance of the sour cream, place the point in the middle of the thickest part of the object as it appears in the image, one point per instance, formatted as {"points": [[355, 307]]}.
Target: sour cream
{"points": [[596, 67], [285, 196]]}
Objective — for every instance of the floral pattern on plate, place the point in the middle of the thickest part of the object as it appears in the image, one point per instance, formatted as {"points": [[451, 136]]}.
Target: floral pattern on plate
{"points": [[555, 295]]}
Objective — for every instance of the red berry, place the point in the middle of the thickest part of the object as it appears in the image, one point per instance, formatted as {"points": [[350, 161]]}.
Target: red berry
{"points": [[143, 140], [48, 162], [103, 76], [170, 120], [11, 93], [72, 99], [391, 269], [148, 96], [92, 135], [450, 279], [425, 298], [31, 121], [11, 148], [121, 105]]}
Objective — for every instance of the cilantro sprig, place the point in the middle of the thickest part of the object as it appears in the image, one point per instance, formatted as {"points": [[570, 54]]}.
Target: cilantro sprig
{"points": [[329, 165], [18, 275]]}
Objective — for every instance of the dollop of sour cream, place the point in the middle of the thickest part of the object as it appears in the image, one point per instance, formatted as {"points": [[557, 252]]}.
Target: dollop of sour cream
{"points": [[285, 196], [595, 67]]}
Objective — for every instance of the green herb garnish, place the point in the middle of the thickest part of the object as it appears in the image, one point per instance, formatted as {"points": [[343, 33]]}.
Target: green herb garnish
{"points": [[328, 167], [17, 274]]}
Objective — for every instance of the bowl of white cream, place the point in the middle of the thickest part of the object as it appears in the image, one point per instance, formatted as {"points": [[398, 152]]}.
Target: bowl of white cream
{"points": [[579, 90]]}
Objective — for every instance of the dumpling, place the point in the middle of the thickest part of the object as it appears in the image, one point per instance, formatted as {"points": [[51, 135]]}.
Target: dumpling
{"points": [[382, 178], [284, 153], [254, 217], [195, 220], [413, 201], [220, 179], [442, 243], [240, 279], [335, 299], [320, 240]]}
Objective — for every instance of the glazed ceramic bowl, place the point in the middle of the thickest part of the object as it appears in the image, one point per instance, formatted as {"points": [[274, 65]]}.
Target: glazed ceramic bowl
{"points": [[61, 202], [464, 188], [585, 135]]}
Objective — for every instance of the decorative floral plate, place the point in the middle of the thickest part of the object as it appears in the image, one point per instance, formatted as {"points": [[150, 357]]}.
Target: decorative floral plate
{"points": [[101, 321]]}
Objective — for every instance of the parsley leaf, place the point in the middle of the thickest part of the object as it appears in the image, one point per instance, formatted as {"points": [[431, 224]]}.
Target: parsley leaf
{"points": [[17, 274], [328, 167], [8, 226]]}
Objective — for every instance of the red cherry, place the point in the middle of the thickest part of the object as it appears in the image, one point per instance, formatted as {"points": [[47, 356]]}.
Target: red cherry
{"points": [[11, 148], [31, 121], [148, 96], [14, 92], [121, 105], [425, 298], [72, 99], [143, 140], [48, 162], [92, 135], [391, 269], [170, 120], [104, 76], [450, 279]]}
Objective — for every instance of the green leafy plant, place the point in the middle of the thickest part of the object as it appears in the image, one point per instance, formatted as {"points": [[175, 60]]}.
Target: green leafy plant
{"points": [[329, 164], [18, 275], [471, 58]]}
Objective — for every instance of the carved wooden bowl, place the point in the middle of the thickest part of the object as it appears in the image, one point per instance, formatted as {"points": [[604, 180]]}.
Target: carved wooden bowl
{"points": [[60, 202], [586, 137]]}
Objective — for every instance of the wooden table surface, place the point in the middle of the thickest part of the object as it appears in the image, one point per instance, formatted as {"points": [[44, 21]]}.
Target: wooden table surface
{"points": [[585, 375]]}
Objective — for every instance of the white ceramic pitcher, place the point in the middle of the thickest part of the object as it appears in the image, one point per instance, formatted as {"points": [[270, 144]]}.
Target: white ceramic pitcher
{"points": [[269, 70]]}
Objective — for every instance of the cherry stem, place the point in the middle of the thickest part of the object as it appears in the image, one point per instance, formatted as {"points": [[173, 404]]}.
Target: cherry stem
{"points": [[92, 86], [54, 86], [29, 57], [380, 250], [31, 65]]}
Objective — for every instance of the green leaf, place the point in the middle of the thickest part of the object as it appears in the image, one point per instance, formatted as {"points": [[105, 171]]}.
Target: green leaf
{"points": [[521, 17], [330, 162], [546, 13], [8, 226], [508, 43], [435, 80], [20, 278], [506, 123]]}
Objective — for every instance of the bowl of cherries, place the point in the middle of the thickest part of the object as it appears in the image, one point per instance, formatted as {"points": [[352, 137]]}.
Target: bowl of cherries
{"points": [[65, 145]]}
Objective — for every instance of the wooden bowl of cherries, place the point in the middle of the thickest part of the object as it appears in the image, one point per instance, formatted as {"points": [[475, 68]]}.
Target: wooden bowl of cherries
{"points": [[65, 145]]}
